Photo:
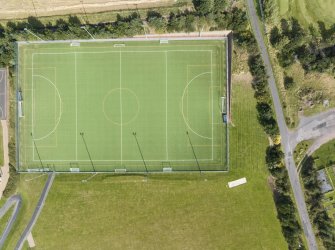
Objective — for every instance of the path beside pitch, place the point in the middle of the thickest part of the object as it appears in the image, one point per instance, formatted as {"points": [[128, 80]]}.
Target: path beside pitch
{"points": [[5, 167], [37, 212]]}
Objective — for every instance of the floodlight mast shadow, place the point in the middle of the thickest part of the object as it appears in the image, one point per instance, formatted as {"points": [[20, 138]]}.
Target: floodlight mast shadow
{"points": [[38, 153], [84, 28], [195, 156], [32, 33], [88, 152], [139, 149]]}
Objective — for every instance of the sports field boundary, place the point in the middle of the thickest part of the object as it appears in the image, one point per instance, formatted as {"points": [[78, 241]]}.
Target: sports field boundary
{"points": [[220, 35]]}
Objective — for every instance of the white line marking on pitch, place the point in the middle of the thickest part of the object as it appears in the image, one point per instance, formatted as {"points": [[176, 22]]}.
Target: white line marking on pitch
{"points": [[212, 105], [182, 105], [60, 108], [121, 102], [166, 106], [76, 97], [163, 160], [32, 104], [109, 51]]}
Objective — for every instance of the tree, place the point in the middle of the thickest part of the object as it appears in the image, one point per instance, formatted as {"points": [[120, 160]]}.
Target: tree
{"points": [[274, 157], [285, 56], [220, 5], [288, 82], [285, 27], [157, 21], [176, 23], [275, 36], [270, 8], [203, 7]]}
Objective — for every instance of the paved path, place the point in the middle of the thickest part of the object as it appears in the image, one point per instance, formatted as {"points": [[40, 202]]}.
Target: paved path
{"points": [[16, 201], [5, 168], [285, 135], [37, 212]]}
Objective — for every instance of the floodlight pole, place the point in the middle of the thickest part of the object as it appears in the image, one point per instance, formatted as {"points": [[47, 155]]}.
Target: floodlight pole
{"points": [[88, 152], [30, 32], [196, 159], [84, 28], [38, 153], [139, 148]]}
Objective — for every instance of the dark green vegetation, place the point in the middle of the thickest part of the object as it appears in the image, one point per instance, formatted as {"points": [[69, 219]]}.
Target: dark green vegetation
{"points": [[314, 199], [292, 41], [300, 151], [303, 57], [85, 103], [274, 156], [170, 211], [11, 184]]}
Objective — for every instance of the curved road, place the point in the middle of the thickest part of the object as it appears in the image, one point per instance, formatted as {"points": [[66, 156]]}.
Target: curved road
{"points": [[13, 200], [37, 211], [285, 135]]}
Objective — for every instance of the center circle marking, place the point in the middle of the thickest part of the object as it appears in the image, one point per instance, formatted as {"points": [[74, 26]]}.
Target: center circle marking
{"points": [[126, 102]]}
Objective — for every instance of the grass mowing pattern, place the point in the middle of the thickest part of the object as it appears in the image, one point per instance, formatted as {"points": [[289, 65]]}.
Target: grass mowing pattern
{"points": [[108, 92], [170, 211], [307, 11]]}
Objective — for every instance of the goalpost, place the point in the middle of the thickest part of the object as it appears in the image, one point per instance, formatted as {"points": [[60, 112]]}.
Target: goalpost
{"points": [[224, 109], [223, 104]]}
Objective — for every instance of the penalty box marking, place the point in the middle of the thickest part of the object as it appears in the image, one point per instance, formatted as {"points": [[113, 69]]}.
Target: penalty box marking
{"points": [[211, 96], [32, 89]]}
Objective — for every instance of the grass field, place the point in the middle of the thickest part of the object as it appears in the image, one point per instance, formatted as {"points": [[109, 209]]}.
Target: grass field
{"points": [[4, 220], [308, 11], [170, 211], [112, 102]]}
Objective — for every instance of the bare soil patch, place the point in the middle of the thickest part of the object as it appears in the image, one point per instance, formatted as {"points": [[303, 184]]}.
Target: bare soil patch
{"points": [[18, 9]]}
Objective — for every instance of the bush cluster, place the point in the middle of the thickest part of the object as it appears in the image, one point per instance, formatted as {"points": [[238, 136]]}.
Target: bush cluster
{"points": [[314, 196], [286, 211], [314, 48]]}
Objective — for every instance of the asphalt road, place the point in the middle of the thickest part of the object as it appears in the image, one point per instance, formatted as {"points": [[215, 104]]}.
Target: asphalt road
{"points": [[320, 127], [16, 201], [37, 211], [285, 135]]}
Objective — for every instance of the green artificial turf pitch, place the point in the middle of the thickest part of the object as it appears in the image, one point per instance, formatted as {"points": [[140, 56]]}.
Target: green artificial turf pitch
{"points": [[111, 101]]}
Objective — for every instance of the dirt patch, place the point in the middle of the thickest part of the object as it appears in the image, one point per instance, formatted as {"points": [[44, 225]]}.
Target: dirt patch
{"points": [[271, 183], [17, 9], [308, 93], [31, 241], [242, 77]]}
